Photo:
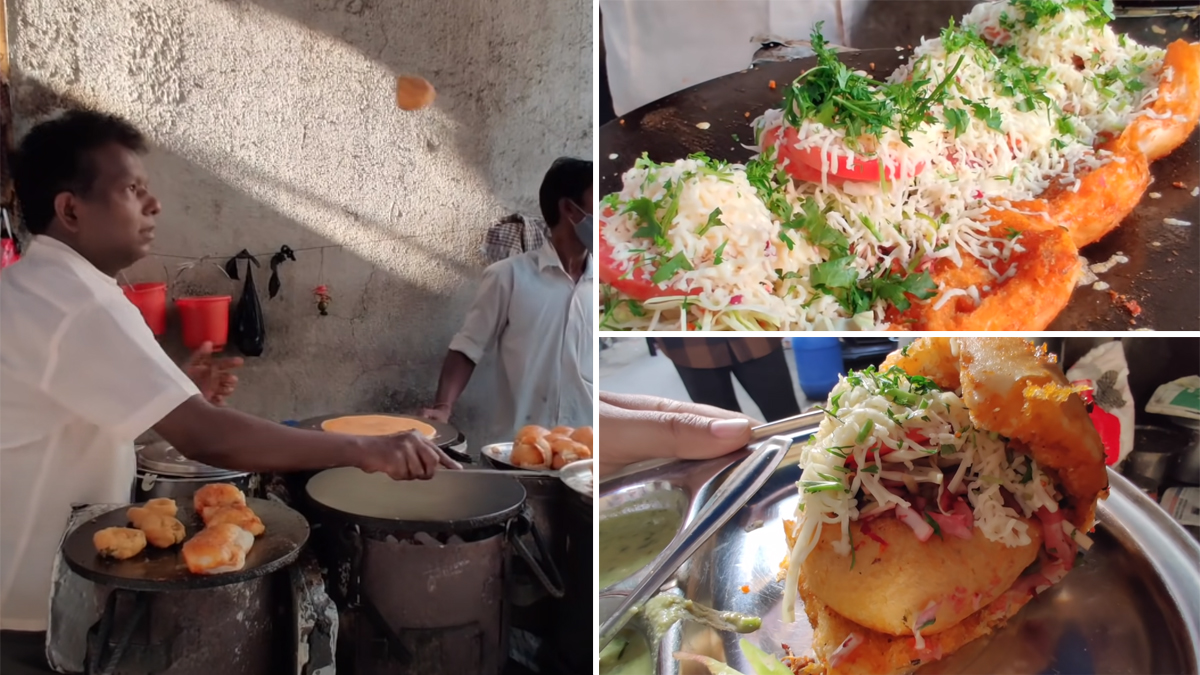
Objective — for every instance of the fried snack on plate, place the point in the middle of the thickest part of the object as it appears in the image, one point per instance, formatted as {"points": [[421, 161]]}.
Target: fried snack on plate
{"points": [[120, 543], [940, 494], [237, 514], [162, 531], [583, 435], [566, 451], [531, 448], [212, 497], [217, 549]]}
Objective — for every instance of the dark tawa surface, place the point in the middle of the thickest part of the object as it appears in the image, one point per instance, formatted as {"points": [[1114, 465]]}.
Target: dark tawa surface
{"points": [[163, 569], [1158, 288]]}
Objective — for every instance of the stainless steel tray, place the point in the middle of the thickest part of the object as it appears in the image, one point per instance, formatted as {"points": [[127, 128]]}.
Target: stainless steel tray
{"points": [[1131, 606]]}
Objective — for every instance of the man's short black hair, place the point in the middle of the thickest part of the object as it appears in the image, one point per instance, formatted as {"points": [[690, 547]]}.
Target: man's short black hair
{"points": [[568, 177], [55, 157]]}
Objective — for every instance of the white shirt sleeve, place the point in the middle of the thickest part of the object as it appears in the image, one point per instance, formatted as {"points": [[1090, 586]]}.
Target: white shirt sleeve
{"points": [[488, 315], [105, 366]]}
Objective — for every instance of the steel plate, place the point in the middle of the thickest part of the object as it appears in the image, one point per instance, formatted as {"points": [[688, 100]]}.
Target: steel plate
{"points": [[1131, 606], [499, 455], [445, 434], [157, 569], [1161, 275]]}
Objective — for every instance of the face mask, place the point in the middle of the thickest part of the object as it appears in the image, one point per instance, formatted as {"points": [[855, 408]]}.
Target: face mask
{"points": [[584, 229]]}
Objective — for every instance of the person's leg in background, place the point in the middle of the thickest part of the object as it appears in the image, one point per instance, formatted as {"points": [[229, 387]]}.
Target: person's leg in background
{"points": [[710, 386], [768, 380]]}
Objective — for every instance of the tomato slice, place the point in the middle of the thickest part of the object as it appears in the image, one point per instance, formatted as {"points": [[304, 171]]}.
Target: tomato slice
{"points": [[799, 171], [866, 170], [635, 284]]}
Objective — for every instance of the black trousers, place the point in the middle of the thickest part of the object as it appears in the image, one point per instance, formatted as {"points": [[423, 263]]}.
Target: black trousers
{"points": [[23, 653], [768, 381]]}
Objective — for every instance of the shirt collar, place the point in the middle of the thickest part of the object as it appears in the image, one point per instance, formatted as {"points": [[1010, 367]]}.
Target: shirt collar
{"points": [[547, 257], [49, 246]]}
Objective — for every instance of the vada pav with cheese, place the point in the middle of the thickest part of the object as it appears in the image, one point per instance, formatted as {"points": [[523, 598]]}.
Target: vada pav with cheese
{"points": [[939, 496]]}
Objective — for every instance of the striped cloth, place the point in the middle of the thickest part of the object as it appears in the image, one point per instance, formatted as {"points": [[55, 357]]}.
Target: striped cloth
{"points": [[513, 235]]}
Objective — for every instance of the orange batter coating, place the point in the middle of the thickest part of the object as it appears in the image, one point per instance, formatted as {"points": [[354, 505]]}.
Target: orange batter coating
{"points": [[217, 549], [212, 497], [239, 515], [1039, 289], [163, 505], [583, 435], [1178, 104], [120, 543]]}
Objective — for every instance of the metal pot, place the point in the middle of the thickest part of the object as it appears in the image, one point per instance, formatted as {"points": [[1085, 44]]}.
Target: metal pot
{"points": [[576, 623], [407, 553], [164, 472]]}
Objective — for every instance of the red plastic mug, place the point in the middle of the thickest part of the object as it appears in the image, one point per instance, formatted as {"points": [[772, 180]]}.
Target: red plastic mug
{"points": [[205, 319]]}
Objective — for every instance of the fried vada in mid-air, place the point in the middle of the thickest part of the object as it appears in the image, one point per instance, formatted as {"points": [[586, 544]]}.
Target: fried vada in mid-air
{"points": [[941, 493]]}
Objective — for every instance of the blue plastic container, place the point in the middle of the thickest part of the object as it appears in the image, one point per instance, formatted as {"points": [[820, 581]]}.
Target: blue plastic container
{"points": [[818, 365]]}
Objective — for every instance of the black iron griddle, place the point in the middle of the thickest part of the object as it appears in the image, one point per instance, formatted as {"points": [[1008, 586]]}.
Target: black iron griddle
{"points": [[445, 434], [156, 569], [1161, 276]]}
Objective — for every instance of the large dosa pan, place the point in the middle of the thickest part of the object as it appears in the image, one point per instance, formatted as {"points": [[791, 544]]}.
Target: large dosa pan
{"points": [[445, 434]]}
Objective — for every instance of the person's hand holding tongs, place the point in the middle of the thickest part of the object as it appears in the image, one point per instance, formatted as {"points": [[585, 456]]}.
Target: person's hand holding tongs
{"points": [[691, 434]]}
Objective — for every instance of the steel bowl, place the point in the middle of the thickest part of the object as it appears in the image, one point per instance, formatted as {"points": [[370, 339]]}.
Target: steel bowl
{"points": [[1132, 605]]}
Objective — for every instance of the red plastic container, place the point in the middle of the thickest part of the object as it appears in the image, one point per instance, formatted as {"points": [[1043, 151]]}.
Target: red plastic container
{"points": [[205, 319], [151, 300]]}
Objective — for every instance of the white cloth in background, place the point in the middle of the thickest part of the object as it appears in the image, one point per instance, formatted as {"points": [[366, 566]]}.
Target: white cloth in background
{"points": [[81, 377], [540, 321], [657, 47]]}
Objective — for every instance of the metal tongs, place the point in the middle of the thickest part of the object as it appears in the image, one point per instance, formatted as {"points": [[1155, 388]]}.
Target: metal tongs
{"points": [[743, 483]]}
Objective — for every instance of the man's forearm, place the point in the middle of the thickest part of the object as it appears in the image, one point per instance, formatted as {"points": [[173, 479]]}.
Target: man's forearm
{"points": [[234, 440], [456, 373]]}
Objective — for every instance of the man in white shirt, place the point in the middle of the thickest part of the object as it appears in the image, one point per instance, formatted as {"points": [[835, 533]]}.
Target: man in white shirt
{"points": [[536, 311], [81, 375]]}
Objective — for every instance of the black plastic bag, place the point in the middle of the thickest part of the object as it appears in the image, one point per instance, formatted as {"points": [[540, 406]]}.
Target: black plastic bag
{"points": [[248, 330]]}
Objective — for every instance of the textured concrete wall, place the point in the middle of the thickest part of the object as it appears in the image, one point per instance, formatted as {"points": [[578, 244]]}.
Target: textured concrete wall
{"points": [[274, 122]]}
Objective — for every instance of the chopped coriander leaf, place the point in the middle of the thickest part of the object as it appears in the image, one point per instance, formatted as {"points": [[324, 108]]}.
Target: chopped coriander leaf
{"points": [[837, 273], [1028, 475], [936, 530], [668, 269], [956, 120], [947, 450], [865, 431], [988, 115], [818, 486], [870, 226], [872, 468], [714, 220], [1012, 233], [717, 260]]}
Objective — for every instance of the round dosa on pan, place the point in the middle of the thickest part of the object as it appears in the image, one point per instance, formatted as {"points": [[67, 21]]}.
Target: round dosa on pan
{"points": [[376, 425]]}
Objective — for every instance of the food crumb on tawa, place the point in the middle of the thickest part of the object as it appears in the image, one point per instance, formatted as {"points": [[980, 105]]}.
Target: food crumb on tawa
{"points": [[1196, 192], [703, 125], [1156, 244], [1125, 301], [899, 48], [1102, 267], [1176, 221], [747, 115], [872, 64], [770, 84], [613, 156], [1155, 195], [1159, 29], [1100, 286], [621, 122], [1179, 184]]}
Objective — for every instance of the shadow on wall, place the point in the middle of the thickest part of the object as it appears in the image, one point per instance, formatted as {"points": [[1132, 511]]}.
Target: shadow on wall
{"points": [[381, 346], [503, 130]]}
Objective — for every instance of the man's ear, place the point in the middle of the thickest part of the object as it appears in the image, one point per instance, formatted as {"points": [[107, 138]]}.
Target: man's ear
{"points": [[564, 210], [65, 205]]}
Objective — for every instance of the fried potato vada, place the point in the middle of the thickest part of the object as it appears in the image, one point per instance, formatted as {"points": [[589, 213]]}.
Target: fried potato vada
{"points": [[119, 543], [893, 583]]}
